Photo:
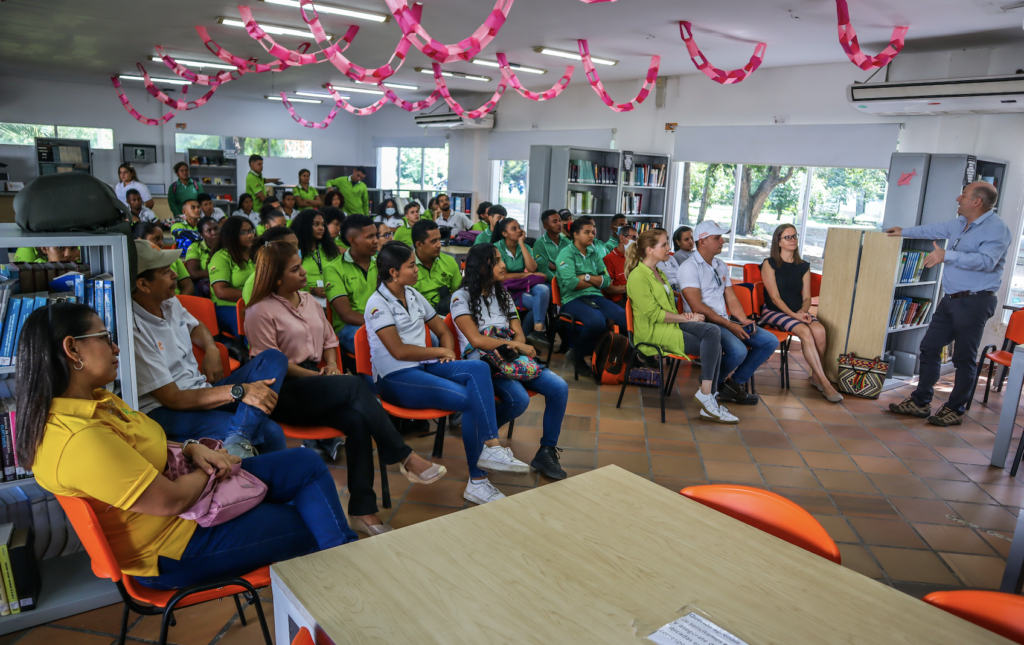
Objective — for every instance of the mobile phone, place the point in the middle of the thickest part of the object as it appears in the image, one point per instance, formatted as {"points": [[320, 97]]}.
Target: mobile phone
{"points": [[750, 328], [507, 353]]}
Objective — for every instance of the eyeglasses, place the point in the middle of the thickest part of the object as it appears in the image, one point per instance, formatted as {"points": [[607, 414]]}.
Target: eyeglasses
{"points": [[247, 232], [385, 236], [790, 238], [105, 335]]}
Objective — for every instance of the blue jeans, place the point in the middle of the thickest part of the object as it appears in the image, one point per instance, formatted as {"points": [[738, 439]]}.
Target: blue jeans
{"points": [[301, 514], [536, 301], [462, 386], [233, 418], [513, 401], [347, 337], [744, 356], [594, 321], [227, 319]]}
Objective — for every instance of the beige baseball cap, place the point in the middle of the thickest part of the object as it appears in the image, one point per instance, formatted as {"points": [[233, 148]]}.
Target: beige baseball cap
{"points": [[153, 257]]}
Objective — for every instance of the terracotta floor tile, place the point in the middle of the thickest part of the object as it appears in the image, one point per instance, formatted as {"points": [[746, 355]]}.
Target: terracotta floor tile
{"points": [[105, 619], [578, 458], [1001, 546], [731, 471], [621, 443], [828, 460], [833, 416], [838, 528], [887, 533], [669, 431], [959, 491], [816, 443], [53, 636], [717, 434], [941, 439], [782, 401], [249, 634], [676, 467], [577, 439], [963, 455], [870, 447], [1006, 495], [996, 518], [447, 492], [677, 484], [633, 462], [817, 502], [892, 435], [989, 475], [578, 409], [197, 625], [834, 480], [857, 558], [873, 506], [409, 513], [910, 451], [724, 452], [954, 539], [901, 486], [582, 396], [877, 420], [976, 571], [588, 424], [881, 465], [789, 477], [930, 511], [793, 428], [793, 414], [913, 566], [776, 457], [934, 470]]}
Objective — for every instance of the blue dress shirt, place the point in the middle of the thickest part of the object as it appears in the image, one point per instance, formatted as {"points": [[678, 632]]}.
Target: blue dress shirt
{"points": [[975, 254]]}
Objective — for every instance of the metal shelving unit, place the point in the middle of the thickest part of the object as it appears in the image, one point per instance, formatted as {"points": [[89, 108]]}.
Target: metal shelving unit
{"points": [[216, 166]]}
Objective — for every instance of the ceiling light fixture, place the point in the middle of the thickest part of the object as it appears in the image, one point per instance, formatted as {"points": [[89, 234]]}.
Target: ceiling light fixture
{"points": [[277, 30], [318, 95], [169, 81], [338, 11], [515, 67], [394, 86], [291, 99], [194, 63], [561, 53], [468, 77]]}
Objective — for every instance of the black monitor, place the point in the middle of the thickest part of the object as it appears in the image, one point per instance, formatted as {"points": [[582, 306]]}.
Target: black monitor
{"points": [[326, 173]]}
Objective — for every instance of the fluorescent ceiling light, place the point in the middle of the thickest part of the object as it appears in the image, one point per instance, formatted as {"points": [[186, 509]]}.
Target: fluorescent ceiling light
{"points": [[171, 81], [320, 95], [194, 63], [561, 53], [394, 86], [514, 66], [468, 77], [359, 90], [338, 11], [291, 99], [277, 30]]}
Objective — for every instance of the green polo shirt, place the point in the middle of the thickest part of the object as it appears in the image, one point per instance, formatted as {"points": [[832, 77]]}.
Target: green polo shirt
{"points": [[347, 279], [180, 193], [179, 268], [484, 237], [314, 271], [357, 198], [404, 233], [443, 273], [572, 264], [224, 269], [29, 254], [515, 262], [309, 193], [479, 226], [255, 184], [544, 251], [199, 251], [183, 226]]}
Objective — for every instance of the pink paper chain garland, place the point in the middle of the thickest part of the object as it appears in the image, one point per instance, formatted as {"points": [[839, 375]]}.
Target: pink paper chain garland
{"points": [[199, 79], [168, 101], [409, 21], [135, 114], [291, 56], [344, 65], [390, 95], [556, 89], [366, 111], [250, 64], [595, 81], [309, 124], [848, 41], [715, 74], [458, 109]]}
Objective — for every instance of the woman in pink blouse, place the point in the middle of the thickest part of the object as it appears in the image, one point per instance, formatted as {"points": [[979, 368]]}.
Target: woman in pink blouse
{"points": [[282, 316]]}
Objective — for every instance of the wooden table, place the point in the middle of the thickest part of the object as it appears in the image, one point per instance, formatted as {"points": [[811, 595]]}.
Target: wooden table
{"points": [[458, 252], [602, 557]]}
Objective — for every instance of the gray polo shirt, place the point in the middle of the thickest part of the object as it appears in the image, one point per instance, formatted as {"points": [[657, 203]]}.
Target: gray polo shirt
{"points": [[384, 310], [695, 273], [490, 316], [163, 351]]}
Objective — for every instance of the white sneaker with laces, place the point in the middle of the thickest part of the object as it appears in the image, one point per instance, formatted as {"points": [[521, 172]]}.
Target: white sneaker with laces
{"points": [[501, 460], [482, 492], [708, 403]]}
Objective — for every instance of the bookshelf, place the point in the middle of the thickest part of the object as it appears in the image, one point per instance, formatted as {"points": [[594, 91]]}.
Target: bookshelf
{"points": [[217, 174], [63, 155]]}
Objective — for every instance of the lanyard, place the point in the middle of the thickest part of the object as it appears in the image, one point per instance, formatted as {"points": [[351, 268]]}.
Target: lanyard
{"points": [[316, 258], [960, 236]]}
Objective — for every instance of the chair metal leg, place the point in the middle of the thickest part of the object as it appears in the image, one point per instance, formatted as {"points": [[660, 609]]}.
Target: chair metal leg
{"points": [[988, 380], [385, 485], [124, 625], [673, 373], [165, 623], [630, 359], [1017, 458], [977, 377], [511, 426], [661, 375], [241, 612], [263, 621], [439, 438]]}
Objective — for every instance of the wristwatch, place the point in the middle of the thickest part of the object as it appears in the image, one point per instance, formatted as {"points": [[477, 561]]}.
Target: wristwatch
{"points": [[587, 277], [185, 444], [237, 393]]}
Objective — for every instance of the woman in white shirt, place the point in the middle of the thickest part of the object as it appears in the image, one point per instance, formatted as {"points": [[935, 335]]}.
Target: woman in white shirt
{"points": [[128, 179], [412, 375]]}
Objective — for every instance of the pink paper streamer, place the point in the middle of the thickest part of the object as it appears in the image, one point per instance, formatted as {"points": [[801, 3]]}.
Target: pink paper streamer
{"points": [[168, 101], [556, 89], [409, 21], [291, 56], [241, 63], [595, 81], [366, 111], [344, 65], [406, 105], [458, 109], [132, 111], [848, 41], [715, 74], [309, 124], [199, 79]]}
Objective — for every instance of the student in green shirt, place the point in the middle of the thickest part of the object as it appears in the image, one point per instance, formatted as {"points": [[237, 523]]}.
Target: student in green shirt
{"points": [[186, 232], [404, 232], [481, 217], [547, 246], [269, 218], [152, 233], [230, 267], [353, 191], [197, 258], [581, 275], [29, 254], [182, 190], [439, 274], [510, 240], [306, 196], [334, 219], [494, 214], [255, 185], [316, 248], [352, 278]]}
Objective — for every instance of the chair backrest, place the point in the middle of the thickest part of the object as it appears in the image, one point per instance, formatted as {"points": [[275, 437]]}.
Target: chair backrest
{"points": [[362, 342], [240, 315], [203, 311], [751, 272], [455, 334], [556, 293], [769, 512], [1015, 328], [629, 316], [87, 526], [303, 638], [758, 296], [815, 284], [679, 303], [1002, 613], [200, 354], [745, 294]]}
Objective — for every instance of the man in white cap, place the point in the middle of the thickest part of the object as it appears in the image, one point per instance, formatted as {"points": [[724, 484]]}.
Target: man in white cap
{"points": [[188, 401], [707, 289]]}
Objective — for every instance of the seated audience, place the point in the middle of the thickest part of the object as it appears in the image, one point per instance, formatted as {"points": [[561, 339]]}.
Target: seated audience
{"points": [[139, 211], [432, 209], [682, 242], [281, 316], [42, 254], [270, 217], [82, 441], [495, 213], [186, 232], [615, 262], [707, 290], [605, 247], [581, 275], [485, 318], [183, 189], [229, 268], [335, 199], [387, 213], [288, 206], [787, 299], [548, 246], [245, 206], [282, 233], [384, 234], [412, 375], [334, 219], [510, 240], [306, 196], [352, 278], [447, 218], [197, 258], [130, 181], [403, 233], [155, 235], [208, 209], [316, 248], [438, 273], [656, 320], [481, 224]]}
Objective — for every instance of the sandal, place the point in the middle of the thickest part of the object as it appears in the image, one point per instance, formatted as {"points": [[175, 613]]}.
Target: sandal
{"points": [[428, 476]]}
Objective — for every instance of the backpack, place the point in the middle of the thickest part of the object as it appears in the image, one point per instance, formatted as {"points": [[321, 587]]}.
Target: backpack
{"points": [[609, 359], [186, 238], [174, 186]]}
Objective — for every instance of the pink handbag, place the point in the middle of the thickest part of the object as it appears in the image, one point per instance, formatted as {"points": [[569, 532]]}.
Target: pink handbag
{"points": [[221, 500]]}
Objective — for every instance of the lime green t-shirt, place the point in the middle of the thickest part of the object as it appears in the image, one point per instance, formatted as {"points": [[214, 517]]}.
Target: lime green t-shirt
{"points": [[250, 282], [223, 269], [347, 279], [444, 272], [310, 193], [404, 232], [179, 268], [315, 270], [255, 184], [199, 251], [479, 226], [29, 254]]}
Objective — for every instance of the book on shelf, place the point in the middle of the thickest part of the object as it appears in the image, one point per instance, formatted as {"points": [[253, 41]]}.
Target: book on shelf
{"points": [[582, 171], [25, 568], [648, 175], [644, 226], [911, 266], [632, 203], [6, 573], [946, 355], [908, 312], [580, 202]]}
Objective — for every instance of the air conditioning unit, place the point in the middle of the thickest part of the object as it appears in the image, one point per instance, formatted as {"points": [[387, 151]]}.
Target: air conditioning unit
{"points": [[453, 121], [985, 95]]}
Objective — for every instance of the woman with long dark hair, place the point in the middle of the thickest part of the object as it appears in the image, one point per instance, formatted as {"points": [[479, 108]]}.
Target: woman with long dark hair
{"points": [[306, 196], [334, 220], [129, 180], [510, 241], [485, 318], [82, 441], [412, 375], [282, 316], [230, 267], [245, 209], [333, 197], [387, 213], [316, 247]]}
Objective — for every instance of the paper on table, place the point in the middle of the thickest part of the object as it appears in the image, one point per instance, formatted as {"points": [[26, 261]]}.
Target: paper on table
{"points": [[692, 629]]}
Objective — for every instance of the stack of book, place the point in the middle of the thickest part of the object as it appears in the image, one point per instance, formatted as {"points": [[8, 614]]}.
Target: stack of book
{"points": [[632, 203], [20, 582], [911, 266], [649, 175], [462, 204], [644, 226], [946, 355], [582, 171], [580, 202], [908, 312]]}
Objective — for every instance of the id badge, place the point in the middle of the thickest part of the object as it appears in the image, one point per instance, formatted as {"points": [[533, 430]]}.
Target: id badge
{"points": [[320, 283]]}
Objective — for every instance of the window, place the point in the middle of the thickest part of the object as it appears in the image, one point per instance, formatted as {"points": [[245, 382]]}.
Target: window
{"points": [[291, 148], [182, 142], [844, 197], [245, 146], [509, 187], [24, 134], [407, 169]]}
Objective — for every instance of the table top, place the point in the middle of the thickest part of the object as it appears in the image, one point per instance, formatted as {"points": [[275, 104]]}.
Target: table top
{"points": [[602, 557], [457, 251]]}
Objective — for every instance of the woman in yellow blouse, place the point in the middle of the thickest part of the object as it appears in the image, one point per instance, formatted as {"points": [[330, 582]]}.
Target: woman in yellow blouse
{"points": [[82, 441]]}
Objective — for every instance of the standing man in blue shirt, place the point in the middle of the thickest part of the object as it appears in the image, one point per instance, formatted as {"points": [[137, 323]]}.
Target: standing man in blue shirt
{"points": [[978, 240]]}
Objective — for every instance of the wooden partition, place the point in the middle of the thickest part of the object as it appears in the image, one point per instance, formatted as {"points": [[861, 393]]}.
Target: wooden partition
{"points": [[838, 281], [878, 261]]}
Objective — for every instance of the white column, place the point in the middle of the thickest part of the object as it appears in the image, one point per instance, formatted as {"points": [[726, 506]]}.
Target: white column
{"points": [[737, 182], [805, 202]]}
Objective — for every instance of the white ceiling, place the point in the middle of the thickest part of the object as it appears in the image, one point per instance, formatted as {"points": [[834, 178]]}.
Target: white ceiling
{"points": [[88, 40]]}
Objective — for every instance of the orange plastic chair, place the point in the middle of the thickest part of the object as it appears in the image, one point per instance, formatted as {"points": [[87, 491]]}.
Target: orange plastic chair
{"points": [[785, 338], [815, 284], [634, 347], [158, 602], [998, 612], [769, 512], [203, 310], [752, 273], [303, 638], [364, 366], [745, 295], [1014, 336]]}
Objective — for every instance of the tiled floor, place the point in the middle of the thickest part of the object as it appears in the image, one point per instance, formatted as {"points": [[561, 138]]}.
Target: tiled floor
{"points": [[911, 505]]}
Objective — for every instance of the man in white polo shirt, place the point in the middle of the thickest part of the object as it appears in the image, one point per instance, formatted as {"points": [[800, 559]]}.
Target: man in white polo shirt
{"points": [[707, 289], [175, 392]]}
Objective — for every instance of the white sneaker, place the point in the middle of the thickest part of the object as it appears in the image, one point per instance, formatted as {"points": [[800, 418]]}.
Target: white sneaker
{"points": [[712, 410], [482, 492], [501, 460], [708, 402]]}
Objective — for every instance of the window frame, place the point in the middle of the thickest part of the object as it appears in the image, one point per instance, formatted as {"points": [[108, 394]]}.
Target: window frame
{"points": [[56, 134]]}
